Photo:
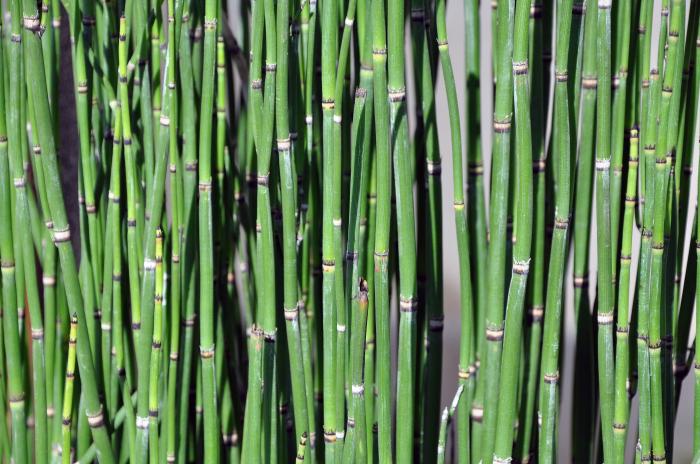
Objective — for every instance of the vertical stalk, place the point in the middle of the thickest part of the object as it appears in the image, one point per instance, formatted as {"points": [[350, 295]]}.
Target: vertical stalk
{"points": [[370, 341], [606, 304], [355, 449], [561, 146], [406, 231], [382, 235], [648, 137], [507, 406], [500, 178], [174, 306], [253, 419], [66, 443], [206, 258], [328, 73], [289, 212], [356, 255], [11, 328], [156, 350], [26, 246], [189, 234], [475, 191], [467, 345], [622, 379], [535, 297], [341, 153]]}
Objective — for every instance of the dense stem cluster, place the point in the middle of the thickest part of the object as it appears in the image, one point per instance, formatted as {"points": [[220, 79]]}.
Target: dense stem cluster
{"points": [[258, 275]]}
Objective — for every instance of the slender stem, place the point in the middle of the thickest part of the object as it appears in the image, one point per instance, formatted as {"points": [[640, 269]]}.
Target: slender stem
{"points": [[622, 379], [561, 146], [523, 238], [500, 173], [66, 447], [289, 212], [206, 258], [11, 330], [405, 221], [382, 235]]}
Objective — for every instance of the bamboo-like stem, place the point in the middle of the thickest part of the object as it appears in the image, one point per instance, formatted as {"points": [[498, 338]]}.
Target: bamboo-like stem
{"points": [[500, 173], [329, 258], [475, 192], [62, 324], [382, 235], [11, 331], [206, 258], [620, 59], [644, 50], [672, 235], [355, 449], [606, 293], [118, 319], [48, 258], [370, 341], [131, 187], [340, 153], [535, 298], [190, 263], [684, 145], [22, 221], [621, 415], [253, 419], [507, 405], [644, 266], [266, 256], [311, 301], [175, 168], [356, 256], [478, 225], [561, 147], [467, 345], [156, 352], [66, 446], [289, 213], [417, 147], [405, 221]]}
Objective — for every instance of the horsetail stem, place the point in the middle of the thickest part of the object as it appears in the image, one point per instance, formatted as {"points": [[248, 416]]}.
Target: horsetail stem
{"points": [[67, 443], [561, 145], [523, 233]]}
